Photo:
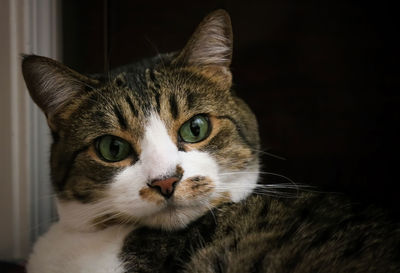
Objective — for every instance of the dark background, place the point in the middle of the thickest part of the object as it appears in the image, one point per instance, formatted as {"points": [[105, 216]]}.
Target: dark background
{"points": [[322, 77]]}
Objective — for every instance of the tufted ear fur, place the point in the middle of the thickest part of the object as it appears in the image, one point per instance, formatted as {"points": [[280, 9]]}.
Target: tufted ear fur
{"points": [[51, 84], [211, 43], [210, 48]]}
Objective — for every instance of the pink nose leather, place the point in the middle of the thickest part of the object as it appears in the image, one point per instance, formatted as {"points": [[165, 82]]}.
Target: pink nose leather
{"points": [[166, 186]]}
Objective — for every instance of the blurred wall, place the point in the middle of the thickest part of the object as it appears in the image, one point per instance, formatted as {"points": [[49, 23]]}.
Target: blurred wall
{"points": [[6, 192], [14, 151], [25, 195]]}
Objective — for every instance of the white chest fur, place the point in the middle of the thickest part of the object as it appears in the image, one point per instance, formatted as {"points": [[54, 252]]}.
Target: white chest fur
{"points": [[62, 250]]}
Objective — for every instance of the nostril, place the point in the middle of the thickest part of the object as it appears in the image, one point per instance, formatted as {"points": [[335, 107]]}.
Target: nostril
{"points": [[165, 186]]}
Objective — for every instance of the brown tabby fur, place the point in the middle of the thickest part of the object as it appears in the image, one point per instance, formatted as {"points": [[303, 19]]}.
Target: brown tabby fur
{"points": [[306, 233], [310, 232]]}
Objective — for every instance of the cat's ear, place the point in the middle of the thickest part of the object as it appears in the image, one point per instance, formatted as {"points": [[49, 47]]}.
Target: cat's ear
{"points": [[211, 43], [51, 84]]}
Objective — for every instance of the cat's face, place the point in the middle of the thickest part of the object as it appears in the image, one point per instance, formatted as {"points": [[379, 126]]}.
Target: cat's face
{"points": [[158, 144]]}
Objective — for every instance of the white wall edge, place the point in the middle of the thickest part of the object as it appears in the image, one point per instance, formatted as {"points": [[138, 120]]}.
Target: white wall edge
{"points": [[17, 184], [34, 27], [44, 19]]}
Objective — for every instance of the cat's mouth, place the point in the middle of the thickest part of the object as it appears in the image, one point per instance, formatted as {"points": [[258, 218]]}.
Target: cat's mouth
{"points": [[174, 216], [175, 213]]}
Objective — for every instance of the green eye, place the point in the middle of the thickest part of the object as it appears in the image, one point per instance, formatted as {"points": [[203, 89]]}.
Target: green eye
{"points": [[112, 148], [195, 129]]}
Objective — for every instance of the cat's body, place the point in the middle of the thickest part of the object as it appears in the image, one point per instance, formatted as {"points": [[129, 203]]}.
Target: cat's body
{"points": [[310, 232], [153, 165]]}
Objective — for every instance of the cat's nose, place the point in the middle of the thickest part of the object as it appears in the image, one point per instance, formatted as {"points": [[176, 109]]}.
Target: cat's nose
{"points": [[165, 186]]}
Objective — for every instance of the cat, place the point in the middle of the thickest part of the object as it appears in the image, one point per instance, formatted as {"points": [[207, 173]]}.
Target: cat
{"points": [[155, 167]]}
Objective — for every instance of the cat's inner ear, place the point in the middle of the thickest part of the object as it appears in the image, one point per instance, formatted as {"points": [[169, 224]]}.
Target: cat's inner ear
{"points": [[52, 85], [211, 43]]}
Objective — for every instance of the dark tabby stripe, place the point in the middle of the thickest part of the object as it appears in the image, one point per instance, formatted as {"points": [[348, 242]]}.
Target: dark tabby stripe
{"points": [[238, 129], [101, 118], [153, 78], [131, 106], [191, 99], [87, 104], [157, 98], [155, 88], [173, 106], [68, 167], [219, 141], [121, 119]]}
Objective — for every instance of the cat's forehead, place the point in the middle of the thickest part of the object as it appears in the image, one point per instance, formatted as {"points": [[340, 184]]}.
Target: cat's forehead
{"points": [[164, 91], [124, 104]]}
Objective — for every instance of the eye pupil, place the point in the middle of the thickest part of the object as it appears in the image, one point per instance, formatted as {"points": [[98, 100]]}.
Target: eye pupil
{"points": [[195, 128], [114, 148]]}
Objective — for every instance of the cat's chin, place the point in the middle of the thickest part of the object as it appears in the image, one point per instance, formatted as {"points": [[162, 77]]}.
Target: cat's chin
{"points": [[173, 217]]}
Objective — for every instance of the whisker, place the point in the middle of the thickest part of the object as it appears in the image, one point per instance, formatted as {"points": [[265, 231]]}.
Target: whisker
{"points": [[269, 154], [262, 173], [266, 186], [155, 48], [270, 192], [211, 211]]}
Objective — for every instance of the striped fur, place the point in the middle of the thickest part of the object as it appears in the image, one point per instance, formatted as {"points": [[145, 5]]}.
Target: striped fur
{"points": [[113, 218], [310, 232]]}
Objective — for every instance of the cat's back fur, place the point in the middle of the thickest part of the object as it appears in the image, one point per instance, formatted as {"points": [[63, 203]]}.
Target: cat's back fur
{"points": [[311, 232]]}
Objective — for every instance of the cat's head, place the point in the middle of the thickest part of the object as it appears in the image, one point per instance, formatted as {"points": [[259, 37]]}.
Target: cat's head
{"points": [[159, 142]]}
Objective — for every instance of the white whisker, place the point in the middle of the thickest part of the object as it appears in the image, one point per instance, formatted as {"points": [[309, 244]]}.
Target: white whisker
{"points": [[269, 154]]}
